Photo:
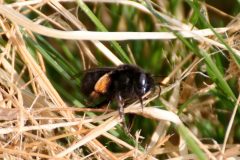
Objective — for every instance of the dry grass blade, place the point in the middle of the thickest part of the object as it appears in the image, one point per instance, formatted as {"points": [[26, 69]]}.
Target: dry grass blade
{"points": [[109, 124], [44, 43], [154, 113], [103, 36], [230, 126]]}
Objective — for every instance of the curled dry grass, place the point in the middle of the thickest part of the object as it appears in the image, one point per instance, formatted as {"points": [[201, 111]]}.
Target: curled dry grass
{"points": [[37, 123]]}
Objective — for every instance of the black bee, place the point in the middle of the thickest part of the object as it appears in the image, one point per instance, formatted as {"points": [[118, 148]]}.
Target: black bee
{"points": [[121, 84]]}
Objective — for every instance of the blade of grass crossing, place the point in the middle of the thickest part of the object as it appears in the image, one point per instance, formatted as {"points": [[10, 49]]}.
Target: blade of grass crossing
{"points": [[218, 76], [51, 60], [195, 5], [193, 146], [222, 83], [101, 27]]}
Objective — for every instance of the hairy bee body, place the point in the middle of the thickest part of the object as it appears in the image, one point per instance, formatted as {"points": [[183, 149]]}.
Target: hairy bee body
{"points": [[121, 83]]}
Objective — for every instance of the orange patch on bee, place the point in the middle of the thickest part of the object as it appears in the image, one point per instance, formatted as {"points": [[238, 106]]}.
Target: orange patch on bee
{"points": [[102, 84]]}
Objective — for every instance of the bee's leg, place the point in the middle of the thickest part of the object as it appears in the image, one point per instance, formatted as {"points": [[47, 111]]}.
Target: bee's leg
{"points": [[120, 102], [159, 90], [141, 102]]}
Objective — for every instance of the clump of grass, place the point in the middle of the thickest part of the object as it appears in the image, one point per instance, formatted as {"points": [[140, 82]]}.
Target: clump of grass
{"points": [[192, 45]]}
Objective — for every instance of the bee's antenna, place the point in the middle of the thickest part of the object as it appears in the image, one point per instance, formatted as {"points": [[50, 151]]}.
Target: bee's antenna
{"points": [[141, 102]]}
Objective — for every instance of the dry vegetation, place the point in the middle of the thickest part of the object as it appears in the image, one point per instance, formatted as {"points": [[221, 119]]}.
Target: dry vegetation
{"points": [[43, 46]]}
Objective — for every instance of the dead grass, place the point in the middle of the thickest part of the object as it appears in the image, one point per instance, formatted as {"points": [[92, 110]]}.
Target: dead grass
{"points": [[36, 123]]}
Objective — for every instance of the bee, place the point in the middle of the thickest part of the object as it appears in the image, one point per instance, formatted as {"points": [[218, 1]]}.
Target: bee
{"points": [[121, 84]]}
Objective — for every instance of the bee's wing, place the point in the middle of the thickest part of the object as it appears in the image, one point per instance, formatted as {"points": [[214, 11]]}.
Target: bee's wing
{"points": [[101, 69], [89, 71]]}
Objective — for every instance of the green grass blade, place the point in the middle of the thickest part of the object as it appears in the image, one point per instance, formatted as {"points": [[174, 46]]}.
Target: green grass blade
{"points": [[102, 28]]}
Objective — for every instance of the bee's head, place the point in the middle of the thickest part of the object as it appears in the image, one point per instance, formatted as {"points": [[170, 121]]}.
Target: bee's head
{"points": [[144, 83]]}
